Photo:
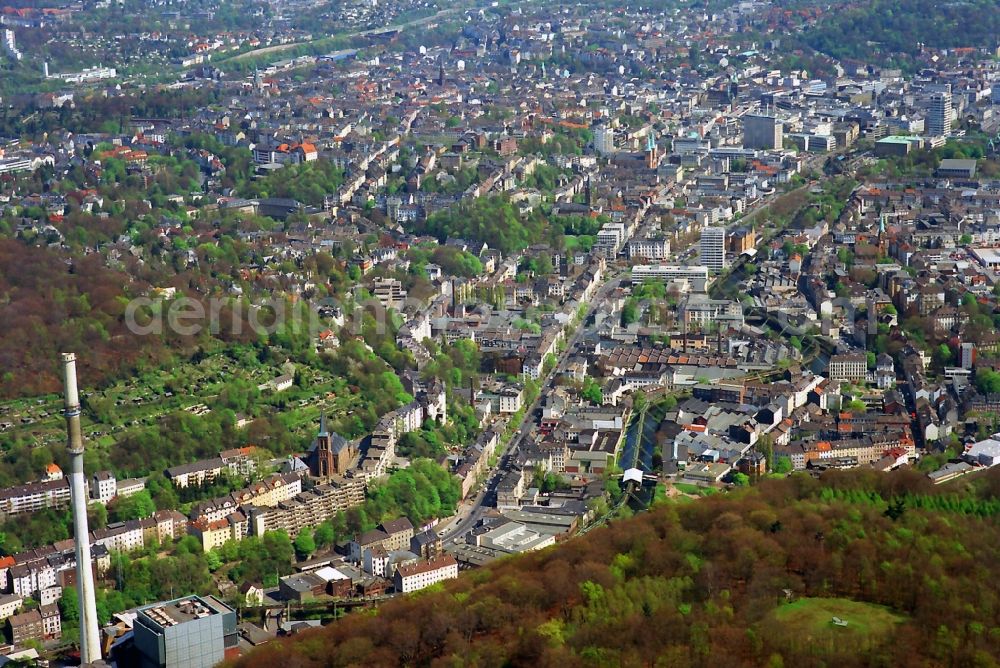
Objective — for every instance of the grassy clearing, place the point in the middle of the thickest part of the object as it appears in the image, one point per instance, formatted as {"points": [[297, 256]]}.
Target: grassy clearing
{"points": [[696, 490], [812, 619]]}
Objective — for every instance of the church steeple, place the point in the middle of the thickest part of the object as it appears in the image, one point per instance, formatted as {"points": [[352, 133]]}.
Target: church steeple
{"points": [[883, 238], [652, 156]]}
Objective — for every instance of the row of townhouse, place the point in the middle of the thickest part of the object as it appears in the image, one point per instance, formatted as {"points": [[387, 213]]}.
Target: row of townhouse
{"points": [[216, 533], [430, 403], [268, 492], [863, 451], [164, 525], [54, 492], [41, 572], [308, 508], [238, 461], [475, 460], [34, 496]]}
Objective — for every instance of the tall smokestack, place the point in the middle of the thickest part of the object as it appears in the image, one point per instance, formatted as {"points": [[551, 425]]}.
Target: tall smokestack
{"points": [[90, 641]]}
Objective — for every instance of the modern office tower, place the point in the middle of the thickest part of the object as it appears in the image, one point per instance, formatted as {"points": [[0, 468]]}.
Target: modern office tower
{"points": [[939, 116], [762, 132], [712, 249]]}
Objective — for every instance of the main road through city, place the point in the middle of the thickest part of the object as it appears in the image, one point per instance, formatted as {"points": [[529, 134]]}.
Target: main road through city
{"points": [[470, 512]]}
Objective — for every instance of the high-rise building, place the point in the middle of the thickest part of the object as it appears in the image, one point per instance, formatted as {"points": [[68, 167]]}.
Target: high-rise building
{"points": [[712, 248], [762, 132], [939, 116], [189, 632], [604, 139], [968, 355]]}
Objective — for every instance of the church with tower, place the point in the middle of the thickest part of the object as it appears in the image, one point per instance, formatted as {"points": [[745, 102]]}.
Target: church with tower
{"points": [[330, 454]]}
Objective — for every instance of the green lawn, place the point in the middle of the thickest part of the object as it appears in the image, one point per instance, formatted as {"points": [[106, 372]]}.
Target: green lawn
{"points": [[812, 618], [660, 493], [688, 488]]}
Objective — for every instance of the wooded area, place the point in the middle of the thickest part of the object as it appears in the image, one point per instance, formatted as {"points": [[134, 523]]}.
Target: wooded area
{"points": [[708, 583], [871, 31]]}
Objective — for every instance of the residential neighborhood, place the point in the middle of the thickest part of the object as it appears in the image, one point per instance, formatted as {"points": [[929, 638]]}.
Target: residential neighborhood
{"points": [[364, 298]]}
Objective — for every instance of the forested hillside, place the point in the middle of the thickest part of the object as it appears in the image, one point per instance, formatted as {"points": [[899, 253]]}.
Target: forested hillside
{"points": [[746, 579], [51, 308], [889, 32]]}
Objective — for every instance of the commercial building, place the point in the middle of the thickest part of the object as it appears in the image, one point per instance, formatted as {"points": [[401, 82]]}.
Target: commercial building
{"points": [[712, 248], [988, 257], [515, 538], [953, 168], [189, 632], [762, 132], [424, 573], [695, 277], [939, 114], [656, 248], [604, 140], [985, 453], [896, 146], [848, 367]]}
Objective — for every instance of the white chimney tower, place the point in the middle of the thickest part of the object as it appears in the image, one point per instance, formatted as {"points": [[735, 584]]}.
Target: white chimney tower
{"points": [[90, 640]]}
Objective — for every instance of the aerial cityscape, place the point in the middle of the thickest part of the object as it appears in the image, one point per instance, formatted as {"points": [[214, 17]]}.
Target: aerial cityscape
{"points": [[499, 333]]}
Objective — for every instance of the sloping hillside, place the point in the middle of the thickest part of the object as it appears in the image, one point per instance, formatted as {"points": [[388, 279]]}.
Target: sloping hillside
{"points": [[889, 32], [908, 567]]}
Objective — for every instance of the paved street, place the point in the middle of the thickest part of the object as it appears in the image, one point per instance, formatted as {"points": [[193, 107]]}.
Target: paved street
{"points": [[469, 513]]}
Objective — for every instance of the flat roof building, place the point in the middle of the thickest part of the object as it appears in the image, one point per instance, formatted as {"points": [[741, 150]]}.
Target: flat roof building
{"points": [[189, 632], [988, 257], [762, 132], [696, 277], [954, 168], [985, 453], [514, 538]]}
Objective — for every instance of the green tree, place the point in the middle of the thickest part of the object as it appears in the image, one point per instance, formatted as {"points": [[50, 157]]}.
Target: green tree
{"points": [[304, 544], [135, 507], [69, 607], [592, 392], [855, 406], [987, 381], [324, 535], [630, 312], [943, 354]]}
